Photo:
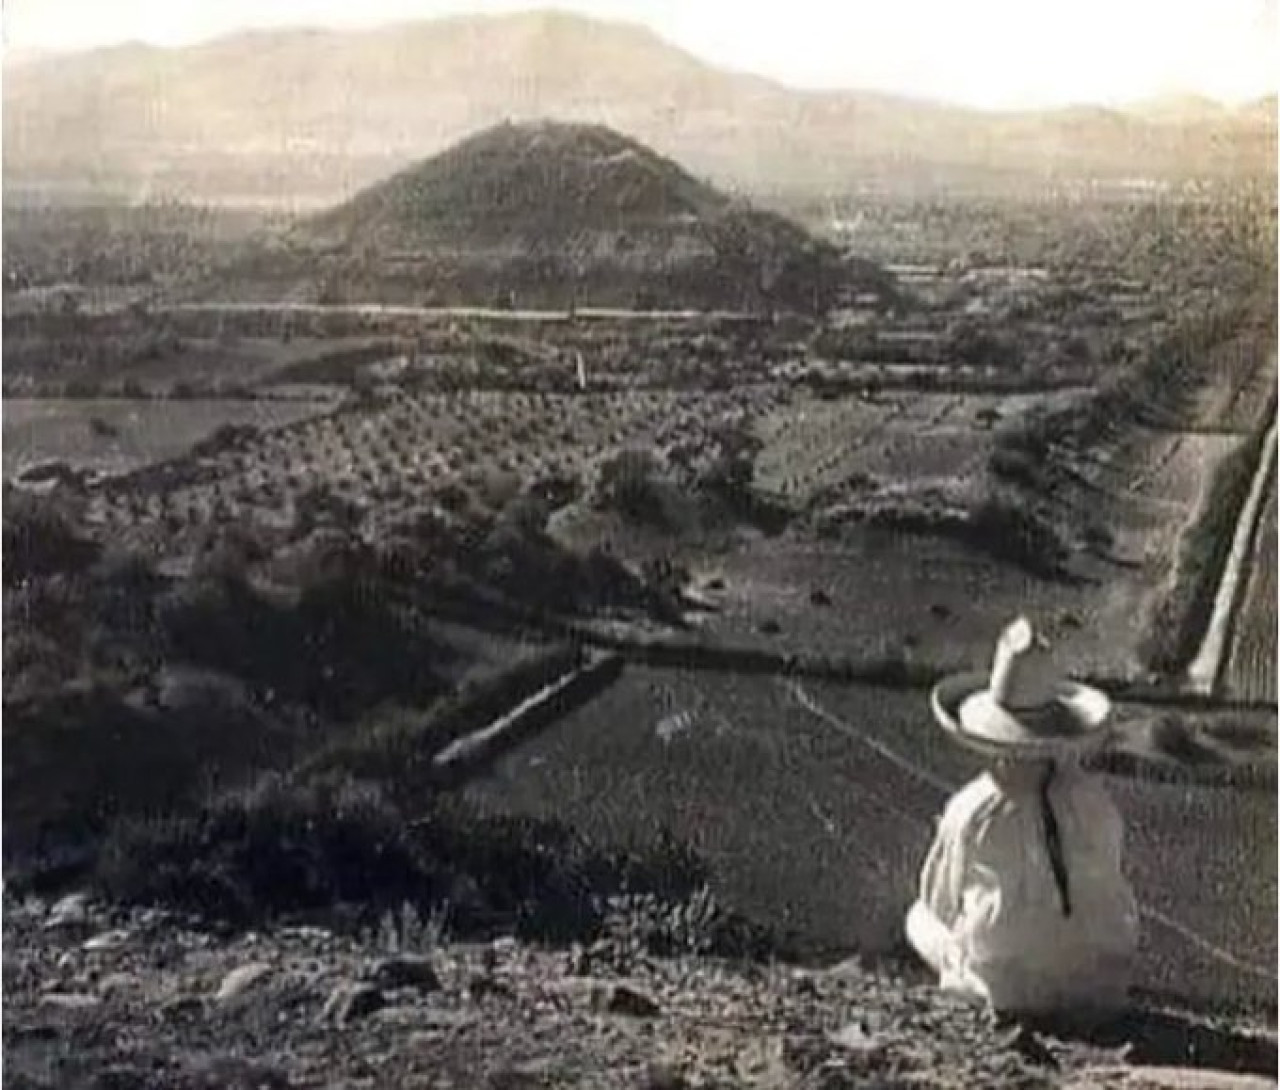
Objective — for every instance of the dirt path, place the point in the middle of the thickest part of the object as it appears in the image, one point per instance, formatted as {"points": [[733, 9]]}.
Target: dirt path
{"points": [[1206, 668], [388, 310], [1249, 674]]}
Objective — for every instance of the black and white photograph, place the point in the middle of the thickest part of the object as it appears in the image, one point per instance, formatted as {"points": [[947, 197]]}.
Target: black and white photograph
{"points": [[639, 545]]}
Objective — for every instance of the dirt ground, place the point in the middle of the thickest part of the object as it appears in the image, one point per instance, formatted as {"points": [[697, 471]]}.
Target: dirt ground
{"points": [[96, 999]]}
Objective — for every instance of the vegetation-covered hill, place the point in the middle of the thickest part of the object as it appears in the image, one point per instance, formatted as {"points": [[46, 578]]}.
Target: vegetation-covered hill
{"points": [[553, 214]]}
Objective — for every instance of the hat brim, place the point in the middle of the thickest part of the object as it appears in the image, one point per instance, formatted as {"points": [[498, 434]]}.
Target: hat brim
{"points": [[1076, 721]]}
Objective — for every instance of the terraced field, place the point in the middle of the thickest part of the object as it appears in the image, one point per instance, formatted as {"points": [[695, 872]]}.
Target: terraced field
{"points": [[815, 805], [1250, 671], [393, 456]]}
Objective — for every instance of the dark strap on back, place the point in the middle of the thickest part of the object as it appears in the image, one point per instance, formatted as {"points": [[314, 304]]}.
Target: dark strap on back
{"points": [[1053, 842]]}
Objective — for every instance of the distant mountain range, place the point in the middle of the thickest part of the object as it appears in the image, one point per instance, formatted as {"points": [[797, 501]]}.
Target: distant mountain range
{"points": [[312, 116]]}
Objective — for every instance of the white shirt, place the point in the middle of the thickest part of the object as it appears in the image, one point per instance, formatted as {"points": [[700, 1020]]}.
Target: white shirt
{"points": [[992, 918]]}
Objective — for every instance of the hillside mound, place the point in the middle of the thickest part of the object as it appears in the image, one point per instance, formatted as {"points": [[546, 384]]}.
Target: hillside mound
{"points": [[550, 214]]}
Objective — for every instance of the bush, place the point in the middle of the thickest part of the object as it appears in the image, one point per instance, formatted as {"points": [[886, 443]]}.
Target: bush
{"points": [[77, 762], [1016, 467], [40, 538], [1008, 530], [345, 645], [278, 846], [289, 844], [631, 483]]}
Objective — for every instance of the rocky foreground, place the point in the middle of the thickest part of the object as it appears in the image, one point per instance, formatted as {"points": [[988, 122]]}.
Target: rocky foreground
{"points": [[102, 998]]}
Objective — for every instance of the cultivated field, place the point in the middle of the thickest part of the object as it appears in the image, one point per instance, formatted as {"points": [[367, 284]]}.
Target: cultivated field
{"points": [[815, 804], [941, 602], [928, 598], [120, 435], [389, 458]]}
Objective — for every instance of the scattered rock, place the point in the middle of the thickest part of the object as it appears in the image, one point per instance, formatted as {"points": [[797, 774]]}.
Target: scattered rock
{"points": [[580, 961], [430, 1025], [664, 1076], [108, 940], [117, 982], [182, 1006], [405, 971], [480, 986], [241, 979], [525, 1076], [70, 1001], [503, 947], [819, 597], [630, 1001], [123, 1077], [855, 1038], [1164, 1078], [1027, 1043], [71, 911], [307, 933], [351, 1002]]}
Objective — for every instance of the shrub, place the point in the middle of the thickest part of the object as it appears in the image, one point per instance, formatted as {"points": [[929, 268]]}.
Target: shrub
{"points": [[277, 846], [1016, 467], [40, 538], [343, 647], [287, 844], [631, 483], [1008, 530]]}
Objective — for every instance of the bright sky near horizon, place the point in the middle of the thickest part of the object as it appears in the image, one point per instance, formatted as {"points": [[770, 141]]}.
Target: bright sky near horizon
{"points": [[991, 53]]}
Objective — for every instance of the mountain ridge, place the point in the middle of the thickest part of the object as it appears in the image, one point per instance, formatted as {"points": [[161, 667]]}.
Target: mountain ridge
{"points": [[310, 114]]}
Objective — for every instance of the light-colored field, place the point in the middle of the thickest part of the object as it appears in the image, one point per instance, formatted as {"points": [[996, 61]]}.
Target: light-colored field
{"points": [[1250, 671], [815, 804], [941, 602], [119, 435], [930, 599], [813, 444]]}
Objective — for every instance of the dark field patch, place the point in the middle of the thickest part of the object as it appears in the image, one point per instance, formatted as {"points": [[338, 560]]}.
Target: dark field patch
{"points": [[817, 822]]}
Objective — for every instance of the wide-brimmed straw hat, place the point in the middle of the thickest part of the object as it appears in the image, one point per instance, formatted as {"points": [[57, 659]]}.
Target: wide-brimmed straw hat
{"points": [[1024, 708]]}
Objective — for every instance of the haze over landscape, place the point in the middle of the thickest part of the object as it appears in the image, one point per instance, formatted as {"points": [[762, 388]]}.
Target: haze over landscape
{"points": [[307, 116], [998, 53]]}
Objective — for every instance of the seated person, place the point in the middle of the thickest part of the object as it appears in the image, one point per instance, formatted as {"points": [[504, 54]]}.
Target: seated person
{"points": [[1023, 902]]}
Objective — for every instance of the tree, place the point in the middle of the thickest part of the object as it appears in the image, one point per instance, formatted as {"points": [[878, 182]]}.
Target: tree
{"points": [[630, 483]]}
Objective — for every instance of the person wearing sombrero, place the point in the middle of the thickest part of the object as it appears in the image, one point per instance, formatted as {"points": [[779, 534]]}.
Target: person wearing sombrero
{"points": [[1023, 902]]}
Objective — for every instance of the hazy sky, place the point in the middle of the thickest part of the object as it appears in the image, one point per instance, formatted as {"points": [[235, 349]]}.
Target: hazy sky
{"points": [[1002, 53]]}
